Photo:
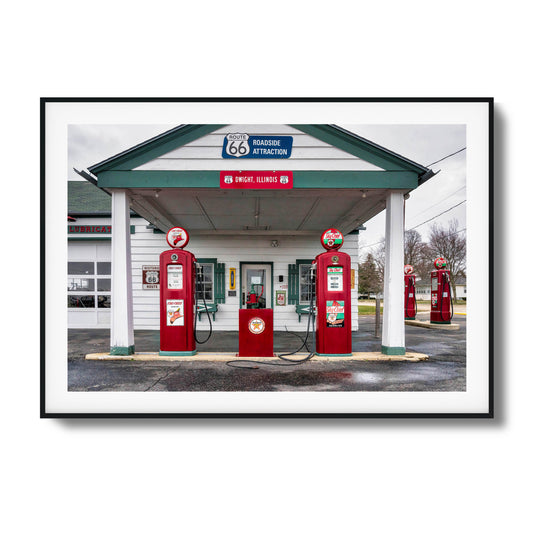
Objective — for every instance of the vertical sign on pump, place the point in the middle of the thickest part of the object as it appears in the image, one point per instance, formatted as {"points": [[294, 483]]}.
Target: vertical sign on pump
{"points": [[333, 297]]}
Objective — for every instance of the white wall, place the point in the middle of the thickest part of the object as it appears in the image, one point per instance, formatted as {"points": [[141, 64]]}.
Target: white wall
{"points": [[308, 153], [146, 247]]}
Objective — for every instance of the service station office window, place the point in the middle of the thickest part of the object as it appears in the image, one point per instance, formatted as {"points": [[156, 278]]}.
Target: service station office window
{"points": [[89, 284], [205, 287], [305, 283]]}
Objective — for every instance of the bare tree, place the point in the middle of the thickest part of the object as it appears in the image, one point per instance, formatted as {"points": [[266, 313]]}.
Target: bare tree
{"points": [[450, 243], [417, 253]]}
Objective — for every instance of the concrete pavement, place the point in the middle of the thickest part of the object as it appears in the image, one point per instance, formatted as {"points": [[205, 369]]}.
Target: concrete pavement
{"points": [[444, 370]]}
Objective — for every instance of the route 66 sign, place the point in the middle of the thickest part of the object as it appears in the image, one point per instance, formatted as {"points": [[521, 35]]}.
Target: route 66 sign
{"points": [[236, 144], [150, 277]]}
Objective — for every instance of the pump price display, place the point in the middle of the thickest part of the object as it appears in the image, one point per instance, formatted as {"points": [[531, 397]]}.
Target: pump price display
{"points": [[334, 278], [175, 276]]}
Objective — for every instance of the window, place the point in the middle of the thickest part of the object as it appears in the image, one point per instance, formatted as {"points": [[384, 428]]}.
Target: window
{"points": [[89, 285], [300, 282], [214, 282], [205, 288], [81, 302], [305, 283]]}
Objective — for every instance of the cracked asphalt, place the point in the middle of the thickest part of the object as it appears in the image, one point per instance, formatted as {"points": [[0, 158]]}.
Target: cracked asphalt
{"points": [[444, 371]]}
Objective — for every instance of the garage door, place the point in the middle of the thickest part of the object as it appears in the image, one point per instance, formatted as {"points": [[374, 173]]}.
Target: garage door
{"points": [[89, 284]]}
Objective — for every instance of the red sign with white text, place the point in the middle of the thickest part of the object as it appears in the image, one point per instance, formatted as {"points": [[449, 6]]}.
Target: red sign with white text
{"points": [[255, 179]]}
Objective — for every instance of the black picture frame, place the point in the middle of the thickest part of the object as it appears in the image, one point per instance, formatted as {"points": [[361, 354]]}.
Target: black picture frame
{"points": [[46, 412]]}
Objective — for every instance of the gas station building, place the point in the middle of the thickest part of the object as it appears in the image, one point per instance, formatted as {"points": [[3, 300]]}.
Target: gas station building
{"points": [[255, 200]]}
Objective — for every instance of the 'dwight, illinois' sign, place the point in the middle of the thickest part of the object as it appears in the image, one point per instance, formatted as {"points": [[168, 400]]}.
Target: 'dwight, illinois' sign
{"points": [[256, 179], [244, 146]]}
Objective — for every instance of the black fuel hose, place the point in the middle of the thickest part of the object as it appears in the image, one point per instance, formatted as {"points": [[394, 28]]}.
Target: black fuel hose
{"points": [[198, 341], [289, 362]]}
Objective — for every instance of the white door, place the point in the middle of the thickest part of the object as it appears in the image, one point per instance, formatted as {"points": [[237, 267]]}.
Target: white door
{"points": [[256, 286], [89, 284]]}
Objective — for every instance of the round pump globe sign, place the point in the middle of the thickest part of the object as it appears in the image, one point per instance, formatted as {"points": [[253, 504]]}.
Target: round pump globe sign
{"points": [[331, 239], [177, 237], [440, 263], [408, 269]]}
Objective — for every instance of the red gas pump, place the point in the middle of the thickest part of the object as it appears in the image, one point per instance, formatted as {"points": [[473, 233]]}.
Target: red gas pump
{"points": [[254, 299], [441, 295], [333, 297], [177, 296], [409, 281]]}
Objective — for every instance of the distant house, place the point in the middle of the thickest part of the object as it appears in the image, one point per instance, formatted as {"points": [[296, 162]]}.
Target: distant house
{"points": [[423, 289]]}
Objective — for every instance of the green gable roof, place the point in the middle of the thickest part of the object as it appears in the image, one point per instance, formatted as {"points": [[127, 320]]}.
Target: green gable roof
{"points": [[86, 198], [358, 146]]}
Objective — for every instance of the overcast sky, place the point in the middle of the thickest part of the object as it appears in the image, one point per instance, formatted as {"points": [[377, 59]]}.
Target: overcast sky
{"points": [[424, 144]]}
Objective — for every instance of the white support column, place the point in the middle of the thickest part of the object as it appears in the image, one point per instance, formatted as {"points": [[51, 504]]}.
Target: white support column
{"points": [[393, 337], [122, 342]]}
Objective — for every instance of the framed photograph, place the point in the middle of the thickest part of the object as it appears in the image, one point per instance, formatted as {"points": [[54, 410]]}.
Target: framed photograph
{"points": [[356, 232]]}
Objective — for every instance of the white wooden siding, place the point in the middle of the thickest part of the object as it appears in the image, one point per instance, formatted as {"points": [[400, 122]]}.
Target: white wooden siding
{"points": [[147, 246], [308, 153], [232, 251]]}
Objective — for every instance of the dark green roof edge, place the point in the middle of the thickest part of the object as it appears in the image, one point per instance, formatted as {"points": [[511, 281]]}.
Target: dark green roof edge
{"points": [[154, 147], [361, 147]]}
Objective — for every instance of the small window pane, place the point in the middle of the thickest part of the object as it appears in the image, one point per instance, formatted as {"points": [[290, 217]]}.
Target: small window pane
{"points": [[103, 269], [104, 284], [207, 284], [81, 302], [305, 284], [81, 284], [104, 302], [80, 267]]}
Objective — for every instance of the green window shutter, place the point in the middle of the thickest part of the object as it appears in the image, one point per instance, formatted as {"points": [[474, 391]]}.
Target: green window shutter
{"points": [[293, 285], [220, 283]]}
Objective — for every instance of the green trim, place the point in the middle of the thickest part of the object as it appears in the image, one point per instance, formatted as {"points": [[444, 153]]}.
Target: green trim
{"points": [[162, 144], [409, 318], [122, 350], [360, 147], [241, 263], [303, 179], [302, 309], [393, 350], [178, 354], [334, 354], [440, 322]]}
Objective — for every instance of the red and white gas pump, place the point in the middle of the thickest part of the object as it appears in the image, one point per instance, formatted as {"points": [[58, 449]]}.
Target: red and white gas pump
{"points": [[333, 297], [441, 294], [177, 296], [409, 282]]}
